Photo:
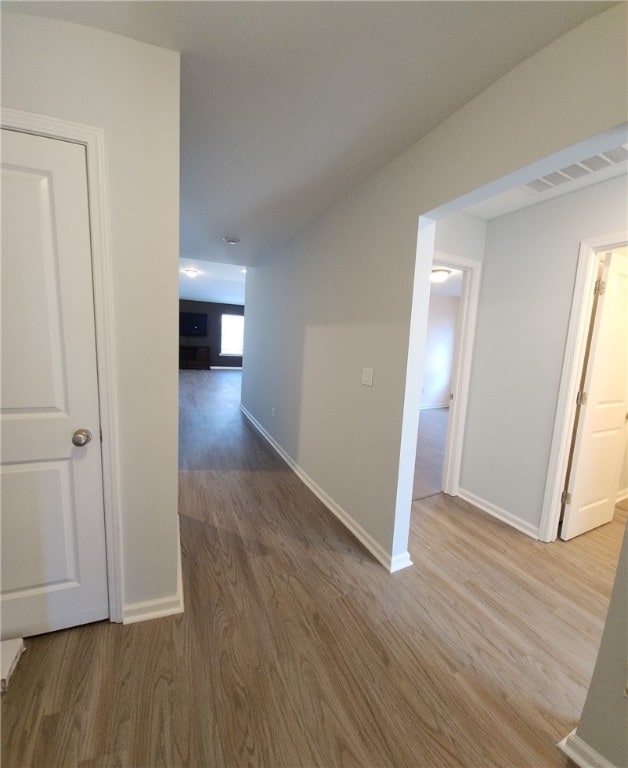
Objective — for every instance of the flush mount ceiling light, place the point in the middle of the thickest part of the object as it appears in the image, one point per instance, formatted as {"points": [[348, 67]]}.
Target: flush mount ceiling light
{"points": [[439, 275], [191, 272], [231, 240], [243, 270]]}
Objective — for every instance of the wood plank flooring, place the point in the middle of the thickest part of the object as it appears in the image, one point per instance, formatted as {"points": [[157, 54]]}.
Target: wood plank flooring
{"points": [[298, 649]]}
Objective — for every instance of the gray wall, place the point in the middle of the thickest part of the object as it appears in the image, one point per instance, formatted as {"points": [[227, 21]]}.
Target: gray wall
{"points": [[339, 296], [604, 722], [528, 278]]}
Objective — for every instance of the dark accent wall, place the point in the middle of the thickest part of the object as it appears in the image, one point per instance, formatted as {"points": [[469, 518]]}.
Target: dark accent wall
{"points": [[212, 340]]}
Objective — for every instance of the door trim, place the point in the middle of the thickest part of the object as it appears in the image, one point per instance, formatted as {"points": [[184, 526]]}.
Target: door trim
{"points": [[425, 256], [575, 347], [93, 139]]}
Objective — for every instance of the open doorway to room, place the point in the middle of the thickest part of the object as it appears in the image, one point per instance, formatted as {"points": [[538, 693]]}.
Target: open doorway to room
{"points": [[443, 357], [439, 358], [466, 289], [588, 473], [552, 177], [211, 325], [211, 314]]}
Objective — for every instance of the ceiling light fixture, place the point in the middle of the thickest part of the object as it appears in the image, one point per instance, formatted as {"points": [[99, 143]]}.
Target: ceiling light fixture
{"points": [[439, 275], [231, 240], [243, 270], [191, 272]]}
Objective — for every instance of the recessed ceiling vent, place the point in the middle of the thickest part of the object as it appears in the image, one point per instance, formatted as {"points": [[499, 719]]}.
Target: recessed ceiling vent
{"points": [[578, 170]]}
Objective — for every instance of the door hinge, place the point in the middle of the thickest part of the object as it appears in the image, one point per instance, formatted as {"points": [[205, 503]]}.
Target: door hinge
{"points": [[600, 287], [565, 497], [101, 435], [581, 398]]}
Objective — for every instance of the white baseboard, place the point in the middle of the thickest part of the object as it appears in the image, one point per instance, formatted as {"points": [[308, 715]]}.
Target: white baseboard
{"points": [[152, 609], [226, 368], [581, 753], [160, 606], [500, 514], [430, 407], [621, 495], [391, 564], [399, 562]]}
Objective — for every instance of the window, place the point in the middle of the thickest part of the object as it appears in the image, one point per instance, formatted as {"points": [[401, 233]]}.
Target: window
{"points": [[232, 335]]}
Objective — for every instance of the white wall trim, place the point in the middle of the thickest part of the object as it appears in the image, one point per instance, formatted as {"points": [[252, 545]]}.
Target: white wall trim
{"points": [[433, 407], [226, 368], [426, 232], [399, 562], [575, 347], [391, 564], [94, 141], [500, 514], [581, 753], [465, 333], [152, 609], [621, 495]]}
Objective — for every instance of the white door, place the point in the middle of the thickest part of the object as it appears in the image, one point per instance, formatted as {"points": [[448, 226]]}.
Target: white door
{"points": [[601, 435], [53, 539]]}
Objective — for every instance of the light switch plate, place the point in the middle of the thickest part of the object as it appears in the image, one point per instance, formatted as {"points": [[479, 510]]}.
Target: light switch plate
{"points": [[367, 377]]}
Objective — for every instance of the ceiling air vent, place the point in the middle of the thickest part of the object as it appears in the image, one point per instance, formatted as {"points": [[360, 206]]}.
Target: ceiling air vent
{"points": [[596, 163], [578, 170]]}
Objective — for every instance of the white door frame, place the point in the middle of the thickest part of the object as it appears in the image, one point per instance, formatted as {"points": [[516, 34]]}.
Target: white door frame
{"points": [[575, 348], [461, 370], [94, 142], [414, 376]]}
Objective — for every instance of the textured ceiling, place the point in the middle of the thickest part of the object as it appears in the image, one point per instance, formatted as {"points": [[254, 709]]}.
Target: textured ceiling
{"points": [[286, 106]]}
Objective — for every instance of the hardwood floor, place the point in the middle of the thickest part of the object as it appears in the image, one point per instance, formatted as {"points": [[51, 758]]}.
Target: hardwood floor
{"points": [[298, 649], [430, 452]]}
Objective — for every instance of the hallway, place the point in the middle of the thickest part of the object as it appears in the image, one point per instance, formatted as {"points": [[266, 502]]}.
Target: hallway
{"points": [[297, 648]]}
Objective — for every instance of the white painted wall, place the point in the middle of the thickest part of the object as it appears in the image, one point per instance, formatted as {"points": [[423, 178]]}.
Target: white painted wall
{"points": [[339, 296], [460, 235], [527, 285], [131, 90], [439, 351]]}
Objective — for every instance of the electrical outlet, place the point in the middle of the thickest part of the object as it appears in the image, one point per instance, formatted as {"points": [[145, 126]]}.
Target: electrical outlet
{"points": [[367, 377]]}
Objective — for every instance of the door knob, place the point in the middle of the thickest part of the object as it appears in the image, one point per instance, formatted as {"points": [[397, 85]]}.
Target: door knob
{"points": [[81, 437]]}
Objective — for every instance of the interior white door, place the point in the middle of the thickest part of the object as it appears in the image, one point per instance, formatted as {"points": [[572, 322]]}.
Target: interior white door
{"points": [[601, 437], [53, 538]]}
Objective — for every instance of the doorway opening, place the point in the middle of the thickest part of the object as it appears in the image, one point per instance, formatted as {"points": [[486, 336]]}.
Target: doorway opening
{"points": [[440, 364], [589, 439], [503, 193], [446, 381], [211, 314]]}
